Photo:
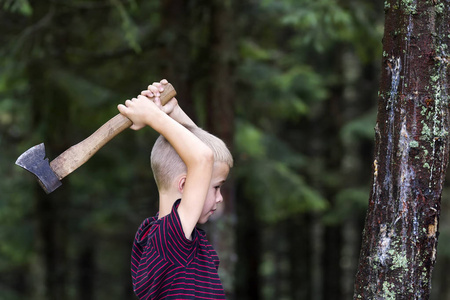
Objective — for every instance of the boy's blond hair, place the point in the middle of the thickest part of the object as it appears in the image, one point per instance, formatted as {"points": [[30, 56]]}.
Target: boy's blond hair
{"points": [[167, 164]]}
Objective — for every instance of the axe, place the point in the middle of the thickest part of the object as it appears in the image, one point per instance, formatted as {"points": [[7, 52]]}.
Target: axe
{"points": [[50, 174]]}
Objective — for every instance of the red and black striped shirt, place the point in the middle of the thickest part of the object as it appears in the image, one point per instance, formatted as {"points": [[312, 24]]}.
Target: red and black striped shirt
{"points": [[166, 265]]}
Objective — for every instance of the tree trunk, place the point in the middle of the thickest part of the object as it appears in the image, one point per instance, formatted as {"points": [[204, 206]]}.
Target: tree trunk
{"points": [[176, 61], [50, 272], [411, 154], [220, 121], [249, 251]]}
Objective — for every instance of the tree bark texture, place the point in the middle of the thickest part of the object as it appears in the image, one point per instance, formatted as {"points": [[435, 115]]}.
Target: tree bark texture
{"points": [[411, 153]]}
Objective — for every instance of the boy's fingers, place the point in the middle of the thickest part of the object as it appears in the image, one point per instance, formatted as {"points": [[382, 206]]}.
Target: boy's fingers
{"points": [[159, 86], [122, 108], [147, 93], [157, 101], [154, 90], [164, 81], [154, 86]]}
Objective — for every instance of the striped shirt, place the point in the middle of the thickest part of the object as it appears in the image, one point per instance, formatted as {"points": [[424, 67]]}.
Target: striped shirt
{"points": [[166, 265]]}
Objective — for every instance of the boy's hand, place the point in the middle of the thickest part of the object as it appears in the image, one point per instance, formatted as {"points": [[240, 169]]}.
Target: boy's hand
{"points": [[171, 108], [154, 91], [141, 111]]}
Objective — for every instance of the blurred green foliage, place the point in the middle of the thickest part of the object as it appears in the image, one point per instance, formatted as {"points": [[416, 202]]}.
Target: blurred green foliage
{"points": [[305, 76]]}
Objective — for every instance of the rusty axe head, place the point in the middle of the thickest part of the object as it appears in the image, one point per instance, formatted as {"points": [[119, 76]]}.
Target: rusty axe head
{"points": [[34, 161]]}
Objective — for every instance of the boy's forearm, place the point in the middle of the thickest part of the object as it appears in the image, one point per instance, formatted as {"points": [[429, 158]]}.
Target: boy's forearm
{"points": [[181, 117]]}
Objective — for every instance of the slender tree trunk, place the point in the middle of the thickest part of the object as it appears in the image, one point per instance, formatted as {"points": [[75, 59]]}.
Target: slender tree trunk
{"points": [[441, 284], [411, 154], [86, 272], [301, 258], [50, 272], [176, 61], [220, 116], [50, 119], [248, 248], [317, 258]]}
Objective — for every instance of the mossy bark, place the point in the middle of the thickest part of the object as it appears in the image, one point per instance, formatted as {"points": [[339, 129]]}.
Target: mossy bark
{"points": [[411, 153]]}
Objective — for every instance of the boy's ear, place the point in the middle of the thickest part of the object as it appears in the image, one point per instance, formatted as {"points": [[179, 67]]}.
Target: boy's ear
{"points": [[181, 183]]}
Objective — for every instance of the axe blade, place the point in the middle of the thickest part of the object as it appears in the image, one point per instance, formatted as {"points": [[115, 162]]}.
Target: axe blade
{"points": [[33, 160]]}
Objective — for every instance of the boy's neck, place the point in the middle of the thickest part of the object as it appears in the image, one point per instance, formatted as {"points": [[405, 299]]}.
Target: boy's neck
{"points": [[166, 201]]}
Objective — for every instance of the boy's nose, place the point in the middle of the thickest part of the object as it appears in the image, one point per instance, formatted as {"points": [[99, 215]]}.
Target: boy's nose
{"points": [[219, 198]]}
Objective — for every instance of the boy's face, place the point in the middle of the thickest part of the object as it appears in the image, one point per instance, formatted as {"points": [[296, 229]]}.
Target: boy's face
{"points": [[214, 196]]}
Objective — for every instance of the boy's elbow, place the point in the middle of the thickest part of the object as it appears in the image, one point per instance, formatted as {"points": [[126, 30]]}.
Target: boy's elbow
{"points": [[204, 157], [207, 155]]}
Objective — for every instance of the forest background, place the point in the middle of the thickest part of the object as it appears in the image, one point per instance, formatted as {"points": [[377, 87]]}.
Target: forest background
{"points": [[290, 85]]}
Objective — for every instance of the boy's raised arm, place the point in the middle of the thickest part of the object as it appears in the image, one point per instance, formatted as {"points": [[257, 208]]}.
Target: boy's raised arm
{"points": [[195, 154]]}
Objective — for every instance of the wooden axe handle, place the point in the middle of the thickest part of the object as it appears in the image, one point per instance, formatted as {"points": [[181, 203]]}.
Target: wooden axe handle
{"points": [[78, 154]]}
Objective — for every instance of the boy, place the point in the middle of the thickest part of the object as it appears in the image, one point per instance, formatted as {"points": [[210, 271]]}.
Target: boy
{"points": [[171, 258]]}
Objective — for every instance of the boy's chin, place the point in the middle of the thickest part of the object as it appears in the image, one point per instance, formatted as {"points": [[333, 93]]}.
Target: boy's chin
{"points": [[202, 221]]}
